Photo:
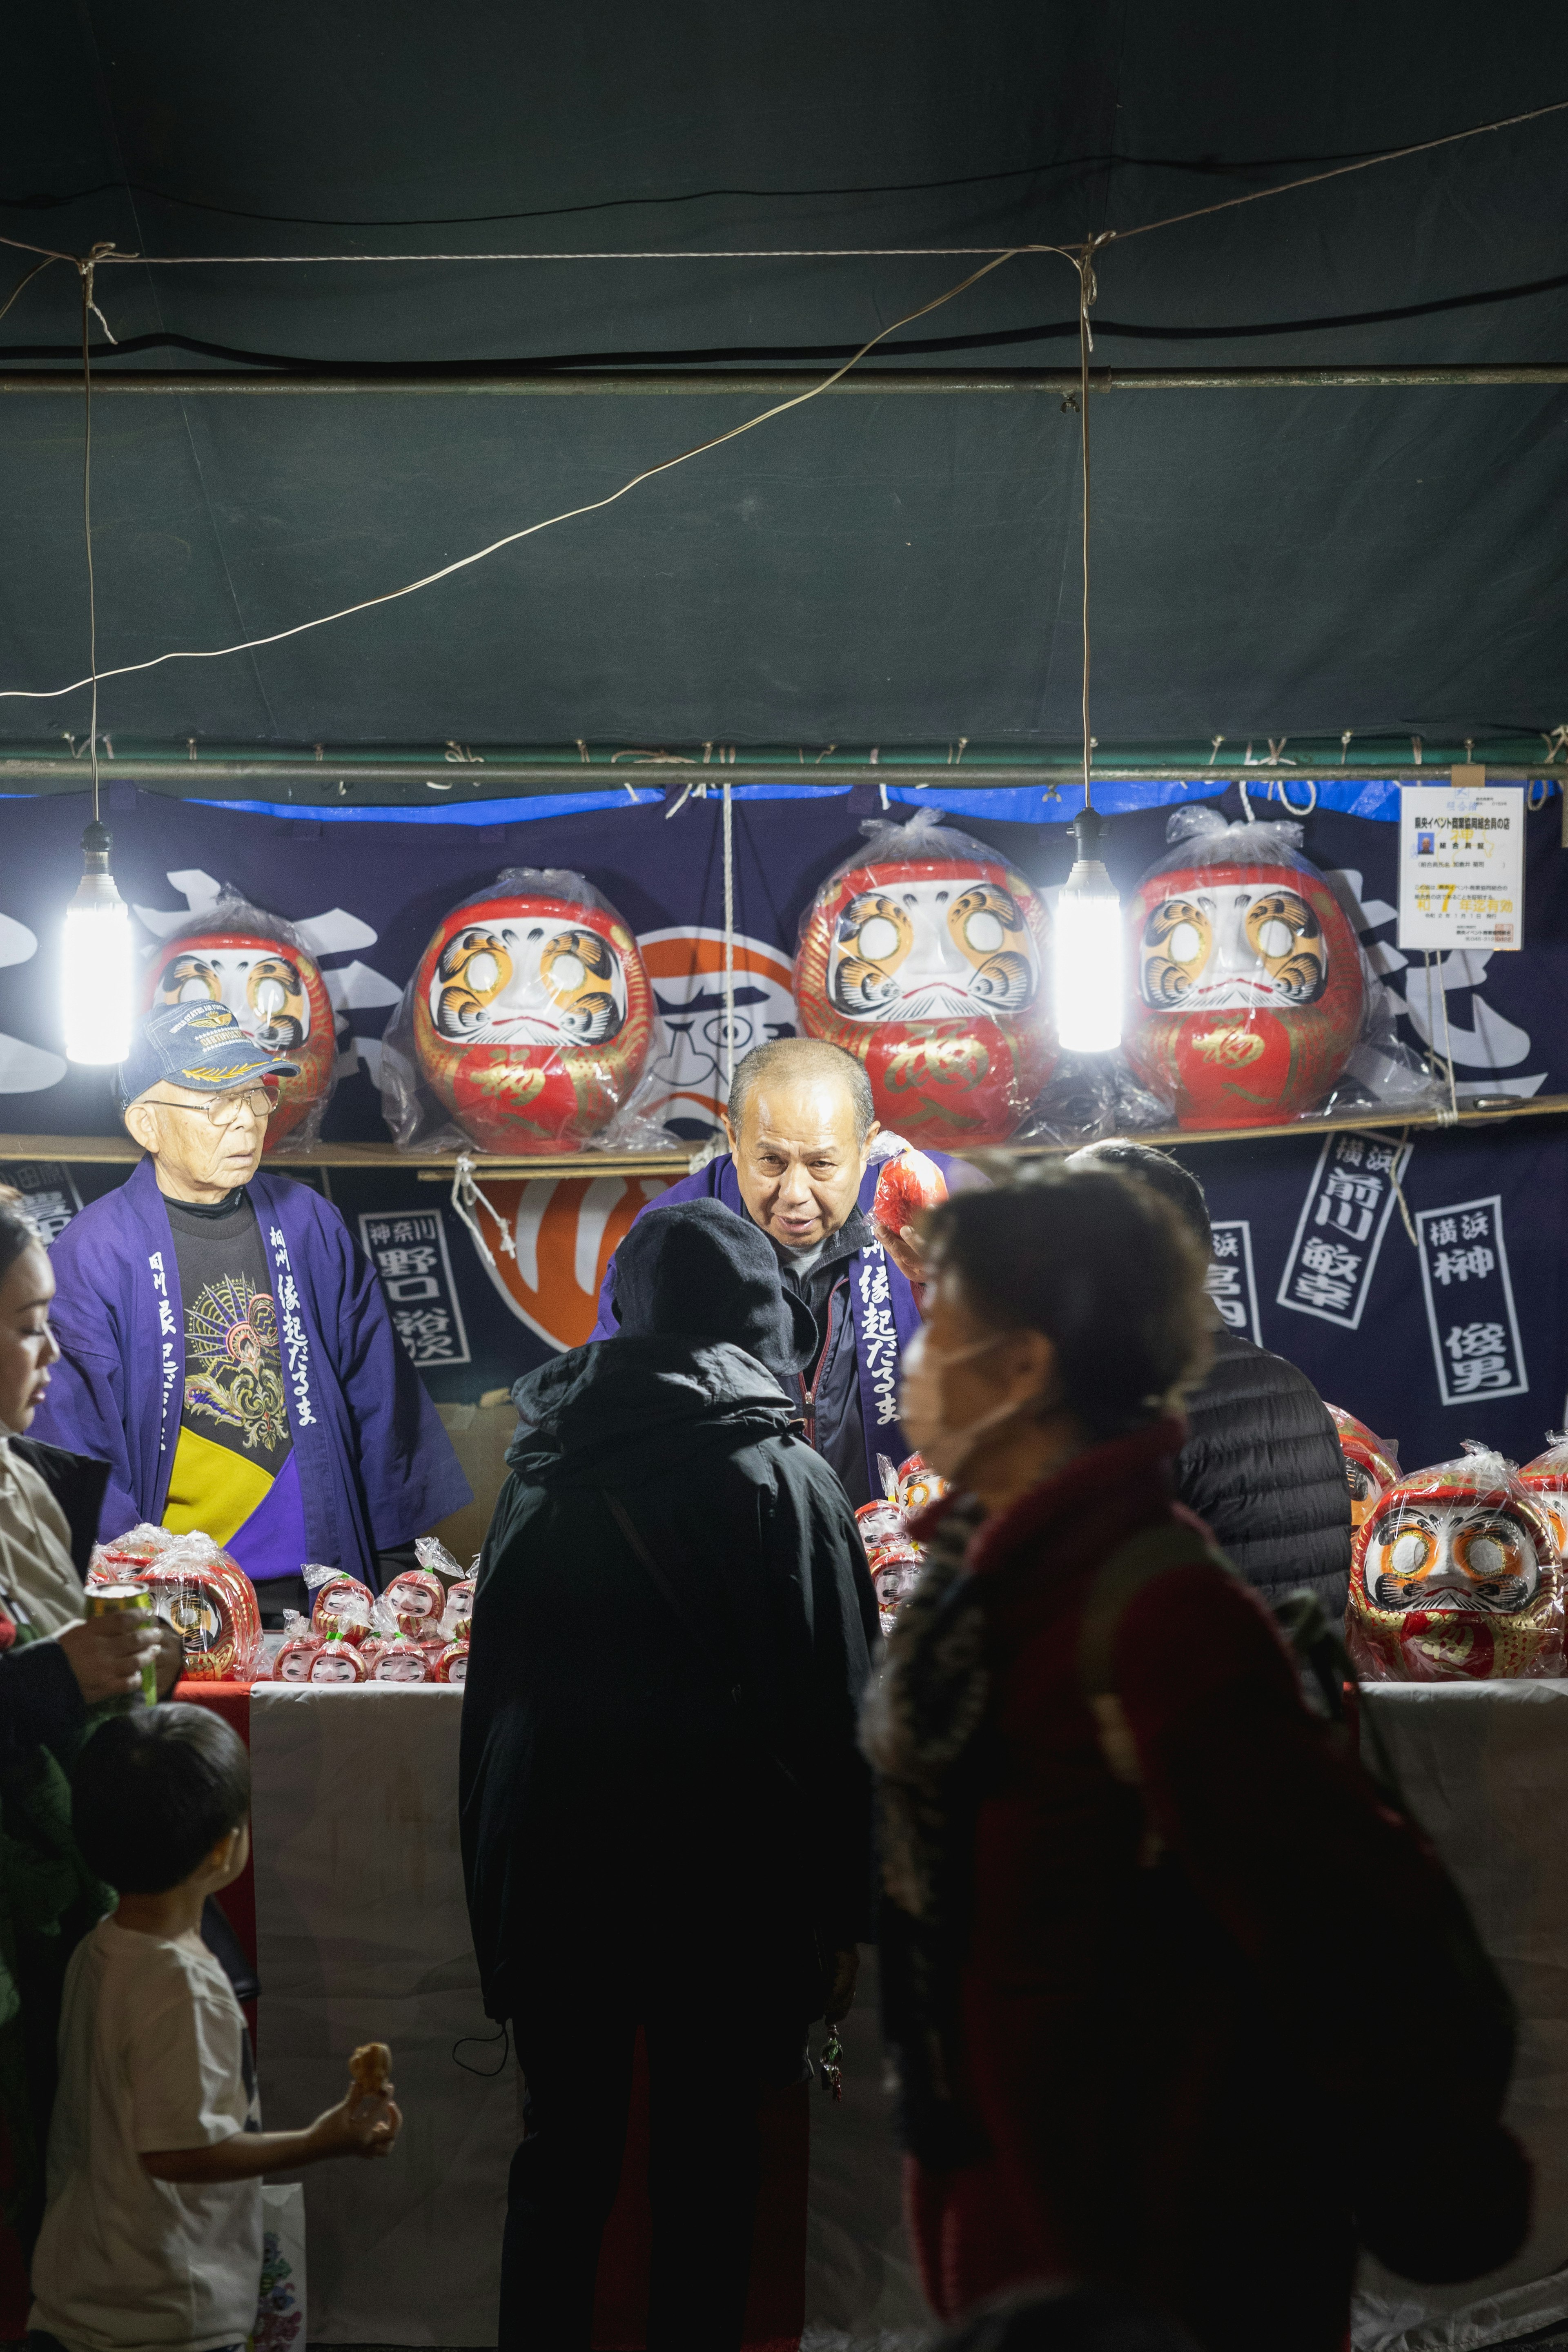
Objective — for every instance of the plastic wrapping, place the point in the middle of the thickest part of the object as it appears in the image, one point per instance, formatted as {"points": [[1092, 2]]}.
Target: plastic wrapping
{"points": [[340, 1604], [1372, 1462], [401, 1661], [211, 1603], [927, 957], [337, 1661], [417, 1600], [291, 1659], [452, 1666], [1246, 992], [1547, 1479], [907, 1186], [199, 1589], [892, 1555], [526, 1027], [1456, 1576], [258, 966]]}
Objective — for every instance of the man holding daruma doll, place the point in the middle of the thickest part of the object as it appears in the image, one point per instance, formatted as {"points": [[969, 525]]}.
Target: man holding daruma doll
{"points": [[840, 1201]]}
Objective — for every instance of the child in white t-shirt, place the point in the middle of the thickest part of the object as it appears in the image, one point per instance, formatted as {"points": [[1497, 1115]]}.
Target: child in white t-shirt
{"points": [[151, 2240]]}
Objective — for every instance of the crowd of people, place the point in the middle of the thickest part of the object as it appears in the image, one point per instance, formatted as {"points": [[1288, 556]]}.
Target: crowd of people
{"points": [[1110, 1853]]}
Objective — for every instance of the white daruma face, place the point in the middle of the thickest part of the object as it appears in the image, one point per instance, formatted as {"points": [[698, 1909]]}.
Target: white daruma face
{"points": [[1231, 948], [528, 984], [932, 950], [1447, 1559], [262, 988]]}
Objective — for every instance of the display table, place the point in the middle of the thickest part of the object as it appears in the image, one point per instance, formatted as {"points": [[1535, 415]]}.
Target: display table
{"points": [[361, 1932], [1483, 1767]]}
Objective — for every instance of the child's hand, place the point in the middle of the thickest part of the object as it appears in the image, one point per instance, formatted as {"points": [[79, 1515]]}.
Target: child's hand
{"points": [[359, 2125]]}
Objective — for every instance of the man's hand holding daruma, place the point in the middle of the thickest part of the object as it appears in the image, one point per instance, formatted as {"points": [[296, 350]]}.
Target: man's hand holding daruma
{"points": [[907, 1186]]}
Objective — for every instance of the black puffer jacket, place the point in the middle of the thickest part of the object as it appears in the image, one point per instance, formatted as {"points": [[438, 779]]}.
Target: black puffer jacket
{"points": [[1262, 1466]]}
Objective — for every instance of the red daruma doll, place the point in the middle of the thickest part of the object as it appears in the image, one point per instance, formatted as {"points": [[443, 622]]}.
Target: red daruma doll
{"points": [[1456, 1576], [1547, 1479], [926, 959], [260, 967], [1247, 997], [530, 1017]]}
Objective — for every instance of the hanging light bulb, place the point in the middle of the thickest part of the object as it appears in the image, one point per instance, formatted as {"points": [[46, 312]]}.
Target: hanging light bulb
{"points": [[1088, 948], [96, 980]]}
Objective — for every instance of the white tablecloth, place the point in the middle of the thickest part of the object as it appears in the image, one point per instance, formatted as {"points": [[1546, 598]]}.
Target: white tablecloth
{"points": [[361, 1934], [1483, 1767]]}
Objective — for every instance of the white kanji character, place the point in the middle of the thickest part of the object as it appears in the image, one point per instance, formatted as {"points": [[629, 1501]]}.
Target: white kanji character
{"points": [[1444, 1232], [1475, 1225]]}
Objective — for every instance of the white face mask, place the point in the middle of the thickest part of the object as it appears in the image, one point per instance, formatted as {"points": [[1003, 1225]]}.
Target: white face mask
{"points": [[921, 1408]]}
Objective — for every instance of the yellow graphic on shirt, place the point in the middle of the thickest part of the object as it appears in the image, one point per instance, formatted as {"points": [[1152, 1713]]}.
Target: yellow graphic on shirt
{"points": [[213, 1488], [233, 1375]]}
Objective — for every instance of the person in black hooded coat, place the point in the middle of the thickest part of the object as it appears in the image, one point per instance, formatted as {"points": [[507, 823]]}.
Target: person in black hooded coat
{"points": [[666, 1819]]}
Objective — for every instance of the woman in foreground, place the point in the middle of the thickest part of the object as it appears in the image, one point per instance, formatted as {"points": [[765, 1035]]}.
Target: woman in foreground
{"points": [[1128, 1881]]}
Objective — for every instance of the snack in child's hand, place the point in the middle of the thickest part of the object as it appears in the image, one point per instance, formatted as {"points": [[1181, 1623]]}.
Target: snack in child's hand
{"points": [[907, 1186], [371, 2067]]}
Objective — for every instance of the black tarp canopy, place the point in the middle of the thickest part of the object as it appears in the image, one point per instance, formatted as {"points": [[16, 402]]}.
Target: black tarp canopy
{"points": [[888, 568]]}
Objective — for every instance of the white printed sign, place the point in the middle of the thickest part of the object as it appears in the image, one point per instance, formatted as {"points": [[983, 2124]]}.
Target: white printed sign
{"points": [[1461, 867], [1469, 1302], [1231, 1284]]}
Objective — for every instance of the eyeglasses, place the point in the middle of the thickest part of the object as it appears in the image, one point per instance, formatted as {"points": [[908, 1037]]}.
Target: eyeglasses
{"points": [[224, 1110]]}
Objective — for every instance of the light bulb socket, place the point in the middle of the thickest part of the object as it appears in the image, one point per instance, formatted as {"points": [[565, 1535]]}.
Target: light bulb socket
{"points": [[1089, 831], [96, 842]]}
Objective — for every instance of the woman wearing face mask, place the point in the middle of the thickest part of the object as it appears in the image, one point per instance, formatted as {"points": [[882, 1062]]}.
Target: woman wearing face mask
{"points": [[56, 1666], [1099, 1794]]}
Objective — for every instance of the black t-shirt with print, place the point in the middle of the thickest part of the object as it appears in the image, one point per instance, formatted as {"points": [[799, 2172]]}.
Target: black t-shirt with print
{"points": [[234, 1372]]}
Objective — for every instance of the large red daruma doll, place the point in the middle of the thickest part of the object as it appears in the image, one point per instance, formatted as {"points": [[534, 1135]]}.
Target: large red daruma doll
{"points": [[1455, 1576], [240, 957], [926, 959], [1547, 1479], [533, 1014], [1247, 997]]}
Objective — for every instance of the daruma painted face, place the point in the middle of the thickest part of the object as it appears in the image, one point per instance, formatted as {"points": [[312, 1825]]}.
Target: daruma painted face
{"points": [[1246, 996], [1456, 1573], [927, 961], [533, 1014], [276, 993]]}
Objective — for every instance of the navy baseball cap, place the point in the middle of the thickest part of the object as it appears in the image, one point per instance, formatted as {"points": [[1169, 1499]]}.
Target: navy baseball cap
{"points": [[199, 1046]]}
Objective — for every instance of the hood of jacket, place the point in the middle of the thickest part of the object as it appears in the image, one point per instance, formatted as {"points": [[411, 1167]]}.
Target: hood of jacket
{"points": [[628, 1408]]}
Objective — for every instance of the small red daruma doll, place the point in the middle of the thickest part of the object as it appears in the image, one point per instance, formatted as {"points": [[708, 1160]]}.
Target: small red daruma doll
{"points": [[337, 1661], [1455, 1576], [417, 1599], [343, 1605], [452, 1666], [1247, 997], [1372, 1462], [400, 1662], [237, 956], [907, 1186], [918, 1485], [532, 1013], [926, 958], [1547, 1479]]}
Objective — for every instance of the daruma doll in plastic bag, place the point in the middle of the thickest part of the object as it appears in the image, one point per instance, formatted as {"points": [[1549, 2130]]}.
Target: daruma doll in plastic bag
{"points": [[532, 1013], [257, 965], [925, 957], [1456, 1575], [1372, 1462], [1547, 1479], [1246, 994]]}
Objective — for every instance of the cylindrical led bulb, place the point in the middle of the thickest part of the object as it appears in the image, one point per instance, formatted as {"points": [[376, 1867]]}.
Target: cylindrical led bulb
{"points": [[96, 975], [1088, 950]]}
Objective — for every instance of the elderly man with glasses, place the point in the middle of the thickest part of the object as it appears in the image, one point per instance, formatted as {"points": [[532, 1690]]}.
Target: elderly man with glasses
{"points": [[227, 1349]]}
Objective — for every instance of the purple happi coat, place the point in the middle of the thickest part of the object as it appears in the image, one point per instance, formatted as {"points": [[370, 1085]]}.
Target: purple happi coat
{"points": [[375, 1466], [886, 1315]]}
